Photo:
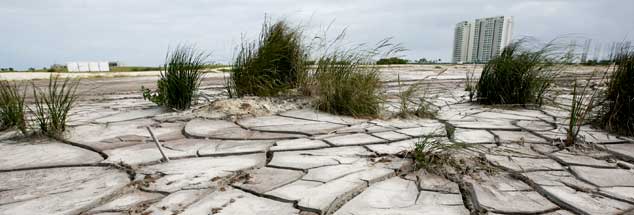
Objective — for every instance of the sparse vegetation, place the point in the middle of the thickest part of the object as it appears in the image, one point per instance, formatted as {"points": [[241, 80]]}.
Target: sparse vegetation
{"points": [[432, 154], [273, 64], [470, 84], [180, 78], [12, 109], [392, 60], [517, 76], [618, 110], [422, 110], [52, 105], [583, 100]]}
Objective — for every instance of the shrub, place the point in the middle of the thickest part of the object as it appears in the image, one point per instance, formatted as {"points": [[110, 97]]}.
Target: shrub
{"points": [[392, 60], [517, 76], [180, 78], [271, 65], [618, 110], [12, 106], [53, 104], [349, 88]]}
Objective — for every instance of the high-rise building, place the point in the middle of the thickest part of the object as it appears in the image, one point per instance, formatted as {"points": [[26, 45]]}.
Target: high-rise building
{"points": [[480, 40], [463, 42]]}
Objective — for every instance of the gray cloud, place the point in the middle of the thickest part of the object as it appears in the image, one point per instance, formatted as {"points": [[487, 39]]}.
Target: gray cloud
{"points": [[40, 33]]}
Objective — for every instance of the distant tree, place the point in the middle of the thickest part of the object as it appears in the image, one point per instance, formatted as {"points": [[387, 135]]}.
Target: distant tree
{"points": [[11, 69], [392, 60]]}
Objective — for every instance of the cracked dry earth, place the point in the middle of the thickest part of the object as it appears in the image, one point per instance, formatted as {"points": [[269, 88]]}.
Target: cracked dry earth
{"points": [[306, 162]]}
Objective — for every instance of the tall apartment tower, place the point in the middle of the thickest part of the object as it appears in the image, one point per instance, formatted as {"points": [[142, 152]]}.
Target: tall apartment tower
{"points": [[480, 40], [463, 42]]}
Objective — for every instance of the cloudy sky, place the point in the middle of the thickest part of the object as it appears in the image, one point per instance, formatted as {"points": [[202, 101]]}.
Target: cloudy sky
{"points": [[38, 33]]}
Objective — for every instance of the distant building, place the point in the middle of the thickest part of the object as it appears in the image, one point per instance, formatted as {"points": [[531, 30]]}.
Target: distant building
{"points": [[463, 42], [480, 40], [101, 66]]}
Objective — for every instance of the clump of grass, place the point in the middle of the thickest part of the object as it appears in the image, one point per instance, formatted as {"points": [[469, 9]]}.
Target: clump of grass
{"points": [[433, 155], [273, 64], [348, 87], [583, 100], [618, 109], [517, 76], [346, 80], [405, 97], [12, 112], [180, 78], [52, 104], [422, 110]]}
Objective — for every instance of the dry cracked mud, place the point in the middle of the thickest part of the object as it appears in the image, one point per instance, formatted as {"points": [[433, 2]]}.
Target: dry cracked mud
{"points": [[305, 162]]}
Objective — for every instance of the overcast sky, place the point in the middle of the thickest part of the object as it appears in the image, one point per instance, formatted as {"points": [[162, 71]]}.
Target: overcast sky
{"points": [[38, 33]]}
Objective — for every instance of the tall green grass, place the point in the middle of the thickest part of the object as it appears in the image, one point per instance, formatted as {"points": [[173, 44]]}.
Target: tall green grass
{"points": [[346, 81], [583, 103], [618, 110], [52, 104], [12, 109], [517, 76], [180, 78], [347, 86], [271, 65]]}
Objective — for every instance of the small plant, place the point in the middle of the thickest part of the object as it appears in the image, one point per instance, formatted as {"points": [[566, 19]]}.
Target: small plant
{"points": [[618, 109], [517, 76], [273, 64], [180, 78], [12, 112], [422, 110], [52, 105], [405, 96], [432, 154], [470, 83], [583, 101], [451, 130]]}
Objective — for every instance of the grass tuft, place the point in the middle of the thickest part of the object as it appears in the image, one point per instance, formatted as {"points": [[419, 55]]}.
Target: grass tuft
{"points": [[346, 81], [618, 109], [273, 64], [517, 76], [583, 100], [12, 112], [433, 155], [52, 105], [348, 87], [422, 110], [180, 78]]}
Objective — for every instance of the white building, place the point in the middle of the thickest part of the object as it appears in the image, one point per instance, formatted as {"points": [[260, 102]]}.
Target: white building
{"points": [[101, 66], [480, 40], [463, 42]]}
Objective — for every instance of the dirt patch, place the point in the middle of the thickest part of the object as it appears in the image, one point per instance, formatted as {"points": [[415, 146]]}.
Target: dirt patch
{"points": [[255, 106]]}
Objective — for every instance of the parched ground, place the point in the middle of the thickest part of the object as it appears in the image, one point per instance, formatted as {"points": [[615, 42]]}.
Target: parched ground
{"points": [[278, 156]]}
